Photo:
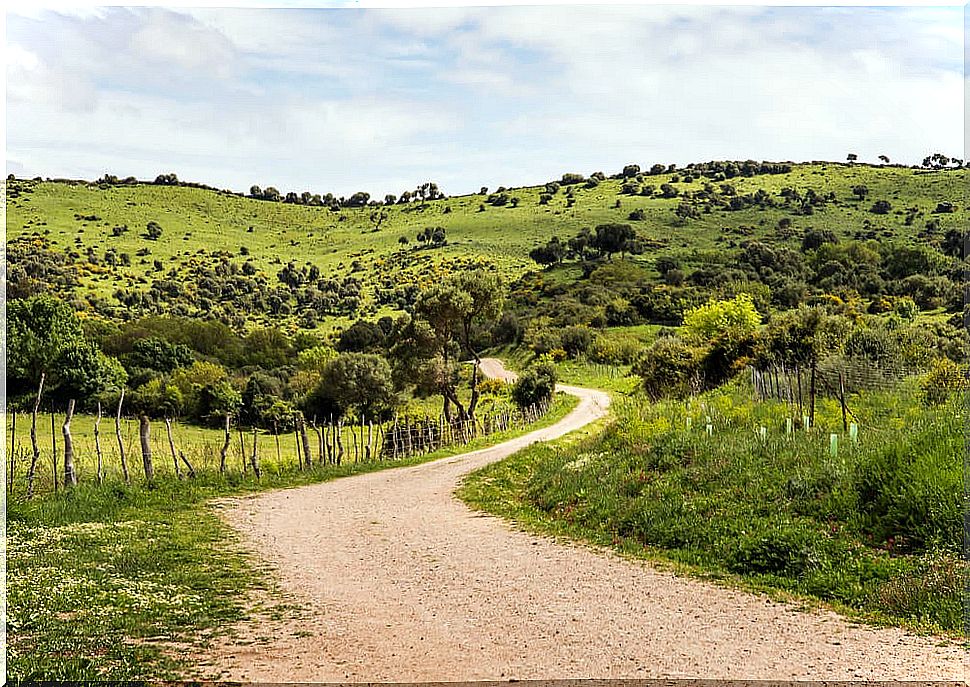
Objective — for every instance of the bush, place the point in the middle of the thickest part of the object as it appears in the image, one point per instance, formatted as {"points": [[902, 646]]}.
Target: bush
{"points": [[492, 387], [910, 489], [543, 340], [781, 549], [611, 349], [944, 379], [671, 368], [535, 386], [576, 340]]}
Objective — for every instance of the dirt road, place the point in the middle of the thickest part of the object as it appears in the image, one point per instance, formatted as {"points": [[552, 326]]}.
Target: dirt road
{"points": [[402, 582]]}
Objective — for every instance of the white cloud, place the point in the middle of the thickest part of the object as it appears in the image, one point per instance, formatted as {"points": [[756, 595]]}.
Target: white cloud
{"points": [[344, 100]]}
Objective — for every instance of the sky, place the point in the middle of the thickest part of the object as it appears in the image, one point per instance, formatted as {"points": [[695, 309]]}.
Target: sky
{"points": [[347, 99]]}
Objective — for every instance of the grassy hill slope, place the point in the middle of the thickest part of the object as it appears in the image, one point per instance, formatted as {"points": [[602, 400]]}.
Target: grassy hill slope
{"points": [[202, 228]]}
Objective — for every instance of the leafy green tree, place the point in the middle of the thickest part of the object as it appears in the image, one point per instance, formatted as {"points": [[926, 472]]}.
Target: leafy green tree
{"points": [[153, 231], [359, 381], [39, 330], [361, 337], [455, 309], [613, 238], [670, 367], [736, 318], [157, 355], [551, 253]]}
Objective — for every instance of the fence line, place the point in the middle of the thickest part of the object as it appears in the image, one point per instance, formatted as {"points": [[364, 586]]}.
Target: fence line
{"points": [[330, 443]]}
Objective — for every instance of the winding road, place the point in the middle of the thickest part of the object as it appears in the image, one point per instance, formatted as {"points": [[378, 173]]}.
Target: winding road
{"points": [[400, 582]]}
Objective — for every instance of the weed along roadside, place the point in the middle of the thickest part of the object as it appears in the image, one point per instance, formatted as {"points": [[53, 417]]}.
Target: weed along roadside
{"points": [[121, 581]]}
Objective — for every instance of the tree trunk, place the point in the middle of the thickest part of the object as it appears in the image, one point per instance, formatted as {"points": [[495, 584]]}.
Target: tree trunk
{"points": [[145, 435], [97, 444], [225, 447], [33, 439], [70, 476], [340, 441], [299, 450], [121, 443], [242, 448], [279, 453], [188, 465], [171, 447]]}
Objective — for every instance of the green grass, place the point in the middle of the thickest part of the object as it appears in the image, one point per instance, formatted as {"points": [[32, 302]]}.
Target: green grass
{"points": [[196, 220], [874, 532], [115, 582], [201, 445]]}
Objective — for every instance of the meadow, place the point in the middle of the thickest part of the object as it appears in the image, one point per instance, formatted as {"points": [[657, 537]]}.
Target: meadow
{"points": [[872, 527]]}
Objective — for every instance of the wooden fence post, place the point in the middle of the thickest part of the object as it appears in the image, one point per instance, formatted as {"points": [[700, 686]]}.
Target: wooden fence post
{"points": [[171, 447], [33, 439], [227, 439], [97, 444], [144, 434], [70, 476], [121, 443]]}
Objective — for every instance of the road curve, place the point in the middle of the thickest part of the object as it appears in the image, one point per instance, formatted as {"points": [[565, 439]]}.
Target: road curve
{"points": [[402, 582]]}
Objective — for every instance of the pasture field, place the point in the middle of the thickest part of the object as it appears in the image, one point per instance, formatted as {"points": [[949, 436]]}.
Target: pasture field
{"points": [[873, 530]]}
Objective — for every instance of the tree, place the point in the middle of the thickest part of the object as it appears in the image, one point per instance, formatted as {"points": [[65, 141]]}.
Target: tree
{"points": [[884, 159], [576, 340], [851, 157], [613, 238], [454, 309], [153, 230], [551, 253], [881, 207], [631, 171], [668, 190], [670, 367], [361, 337], [860, 191], [360, 381], [39, 329], [736, 318]]}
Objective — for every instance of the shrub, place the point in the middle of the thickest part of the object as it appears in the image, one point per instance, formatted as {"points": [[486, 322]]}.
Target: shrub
{"points": [[944, 379], [781, 549], [614, 350], [576, 340], [535, 386], [492, 387], [670, 367]]}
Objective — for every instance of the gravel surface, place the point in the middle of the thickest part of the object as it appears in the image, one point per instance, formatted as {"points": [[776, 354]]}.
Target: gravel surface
{"points": [[402, 582]]}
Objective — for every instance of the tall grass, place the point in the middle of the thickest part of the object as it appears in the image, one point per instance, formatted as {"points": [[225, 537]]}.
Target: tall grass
{"points": [[875, 529]]}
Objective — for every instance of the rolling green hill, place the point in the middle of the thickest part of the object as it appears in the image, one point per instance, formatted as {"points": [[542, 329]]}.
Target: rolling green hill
{"points": [[88, 241]]}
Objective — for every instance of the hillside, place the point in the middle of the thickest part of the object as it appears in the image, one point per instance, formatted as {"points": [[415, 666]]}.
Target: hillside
{"points": [[221, 254]]}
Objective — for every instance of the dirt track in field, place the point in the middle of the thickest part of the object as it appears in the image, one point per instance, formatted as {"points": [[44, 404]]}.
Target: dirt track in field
{"points": [[402, 582]]}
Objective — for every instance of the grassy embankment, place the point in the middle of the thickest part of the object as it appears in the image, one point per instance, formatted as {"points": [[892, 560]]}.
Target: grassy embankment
{"points": [[112, 583], [874, 531]]}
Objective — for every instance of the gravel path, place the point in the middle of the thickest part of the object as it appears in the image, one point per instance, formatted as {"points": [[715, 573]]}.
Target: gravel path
{"points": [[402, 582]]}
